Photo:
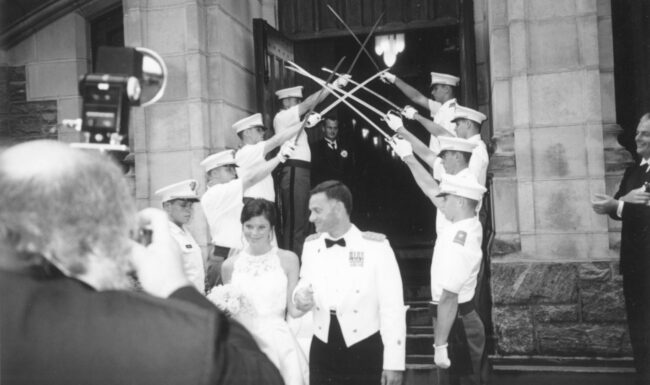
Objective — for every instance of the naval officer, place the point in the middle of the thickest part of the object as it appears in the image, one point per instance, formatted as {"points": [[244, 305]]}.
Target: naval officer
{"points": [[441, 108], [178, 200], [351, 282], [455, 266]]}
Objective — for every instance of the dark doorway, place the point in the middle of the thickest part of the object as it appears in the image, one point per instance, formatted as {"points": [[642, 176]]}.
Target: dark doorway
{"points": [[107, 30], [387, 199]]}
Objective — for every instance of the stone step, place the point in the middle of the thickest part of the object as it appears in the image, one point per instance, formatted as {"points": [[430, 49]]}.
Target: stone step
{"points": [[419, 344]]}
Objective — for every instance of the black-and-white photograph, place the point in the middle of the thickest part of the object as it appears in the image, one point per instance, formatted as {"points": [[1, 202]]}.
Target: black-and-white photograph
{"points": [[325, 192]]}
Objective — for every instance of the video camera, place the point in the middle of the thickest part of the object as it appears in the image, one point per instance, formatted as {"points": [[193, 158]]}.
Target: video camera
{"points": [[123, 77]]}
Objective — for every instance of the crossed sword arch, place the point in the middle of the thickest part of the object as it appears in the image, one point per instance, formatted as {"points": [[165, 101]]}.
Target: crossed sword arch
{"points": [[342, 95]]}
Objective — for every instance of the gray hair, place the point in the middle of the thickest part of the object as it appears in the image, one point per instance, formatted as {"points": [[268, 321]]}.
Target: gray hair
{"points": [[64, 205]]}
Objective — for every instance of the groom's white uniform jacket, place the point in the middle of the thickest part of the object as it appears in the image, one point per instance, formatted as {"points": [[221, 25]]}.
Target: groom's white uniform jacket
{"points": [[362, 282]]}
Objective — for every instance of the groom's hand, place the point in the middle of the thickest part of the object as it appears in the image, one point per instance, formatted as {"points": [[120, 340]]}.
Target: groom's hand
{"points": [[305, 298], [391, 377]]}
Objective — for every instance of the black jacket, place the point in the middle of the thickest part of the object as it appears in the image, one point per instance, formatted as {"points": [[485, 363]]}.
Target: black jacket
{"points": [[635, 231], [57, 330]]}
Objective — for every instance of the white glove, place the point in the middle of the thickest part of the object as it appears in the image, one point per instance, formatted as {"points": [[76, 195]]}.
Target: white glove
{"points": [[342, 81], [387, 78], [286, 151], [313, 119], [393, 121], [401, 147], [409, 112], [440, 357]]}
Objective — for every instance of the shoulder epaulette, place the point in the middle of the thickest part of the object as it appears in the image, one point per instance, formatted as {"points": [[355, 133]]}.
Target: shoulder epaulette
{"points": [[371, 235], [312, 237]]}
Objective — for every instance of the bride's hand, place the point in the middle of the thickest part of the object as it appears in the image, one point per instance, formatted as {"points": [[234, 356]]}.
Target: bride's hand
{"points": [[305, 298]]}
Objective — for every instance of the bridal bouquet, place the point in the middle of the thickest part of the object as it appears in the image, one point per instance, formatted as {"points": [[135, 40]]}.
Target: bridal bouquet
{"points": [[229, 299]]}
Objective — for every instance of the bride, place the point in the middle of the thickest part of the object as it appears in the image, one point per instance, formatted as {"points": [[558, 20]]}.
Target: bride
{"points": [[266, 277]]}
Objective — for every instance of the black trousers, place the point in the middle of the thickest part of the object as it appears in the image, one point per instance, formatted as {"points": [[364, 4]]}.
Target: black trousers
{"points": [[636, 289], [334, 363]]}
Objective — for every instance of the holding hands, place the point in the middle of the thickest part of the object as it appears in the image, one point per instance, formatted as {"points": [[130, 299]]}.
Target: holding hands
{"points": [[304, 298]]}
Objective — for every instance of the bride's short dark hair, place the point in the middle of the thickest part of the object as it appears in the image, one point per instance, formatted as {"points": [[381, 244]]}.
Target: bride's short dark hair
{"points": [[256, 207]]}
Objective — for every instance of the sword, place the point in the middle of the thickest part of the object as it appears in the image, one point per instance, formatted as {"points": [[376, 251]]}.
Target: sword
{"points": [[363, 46], [370, 91], [343, 100], [335, 91], [304, 122], [354, 36], [345, 95]]}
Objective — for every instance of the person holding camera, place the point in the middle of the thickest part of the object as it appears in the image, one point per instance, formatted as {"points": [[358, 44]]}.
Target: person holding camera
{"points": [[66, 249], [631, 205]]}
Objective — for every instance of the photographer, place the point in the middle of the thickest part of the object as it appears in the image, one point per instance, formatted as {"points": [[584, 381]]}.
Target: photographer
{"points": [[66, 217]]}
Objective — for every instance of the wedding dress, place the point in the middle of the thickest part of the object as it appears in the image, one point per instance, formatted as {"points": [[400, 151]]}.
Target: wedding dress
{"points": [[263, 284]]}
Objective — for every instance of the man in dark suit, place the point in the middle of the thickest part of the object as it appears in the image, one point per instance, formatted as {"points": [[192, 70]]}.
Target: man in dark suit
{"points": [[631, 205], [66, 217], [332, 159]]}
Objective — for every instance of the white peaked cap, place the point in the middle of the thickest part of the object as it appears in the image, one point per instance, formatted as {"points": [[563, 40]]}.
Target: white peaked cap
{"points": [[254, 120], [292, 92], [182, 190], [451, 143], [463, 186], [438, 78], [219, 159], [468, 113]]}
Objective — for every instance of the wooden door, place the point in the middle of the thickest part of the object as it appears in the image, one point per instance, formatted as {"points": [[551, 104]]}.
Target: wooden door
{"points": [[272, 50]]}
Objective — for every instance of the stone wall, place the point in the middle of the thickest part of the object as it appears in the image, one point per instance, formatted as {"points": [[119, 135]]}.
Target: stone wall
{"points": [[554, 277], [22, 120], [208, 48], [54, 58]]}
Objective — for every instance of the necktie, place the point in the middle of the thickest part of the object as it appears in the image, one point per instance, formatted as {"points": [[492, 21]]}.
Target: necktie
{"points": [[331, 144], [330, 242]]}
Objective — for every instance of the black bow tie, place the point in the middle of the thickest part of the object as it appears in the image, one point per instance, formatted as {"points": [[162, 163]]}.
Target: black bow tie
{"points": [[331, 242]]}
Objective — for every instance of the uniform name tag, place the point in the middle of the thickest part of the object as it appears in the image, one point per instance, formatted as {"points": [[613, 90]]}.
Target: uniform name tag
{"points": [[460, 237], [356, 258]]}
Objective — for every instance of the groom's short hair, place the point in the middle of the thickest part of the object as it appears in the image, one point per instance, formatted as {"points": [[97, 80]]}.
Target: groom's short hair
{"points": [[334, 189]]}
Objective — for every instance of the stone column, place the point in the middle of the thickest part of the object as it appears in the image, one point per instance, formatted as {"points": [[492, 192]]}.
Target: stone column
{"points": [[208, 48], [555, 285]]}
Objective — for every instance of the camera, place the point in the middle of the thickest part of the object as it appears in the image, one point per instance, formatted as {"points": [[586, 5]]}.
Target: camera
{"points": [[124, 77]]}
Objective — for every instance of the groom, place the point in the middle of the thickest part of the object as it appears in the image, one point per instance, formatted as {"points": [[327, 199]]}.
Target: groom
{"points": [[351, 282]]}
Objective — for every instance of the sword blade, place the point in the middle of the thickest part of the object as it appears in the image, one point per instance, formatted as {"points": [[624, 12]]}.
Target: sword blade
{"points": [[348, 93], [371, 91], [363, 46], [333, 91], [353, 35], [323, 88]]}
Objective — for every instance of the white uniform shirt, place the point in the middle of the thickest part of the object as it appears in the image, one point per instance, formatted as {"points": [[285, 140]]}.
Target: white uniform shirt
{"points": [[478, 163], [192, 257], [222, 205], [286, 119], [457, 260], [362, 282], [249, 157], [441, 220], [442, 114]]}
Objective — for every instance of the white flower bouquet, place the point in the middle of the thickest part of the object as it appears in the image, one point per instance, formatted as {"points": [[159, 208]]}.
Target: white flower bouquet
{"points": [[229, 299]]}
